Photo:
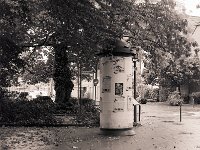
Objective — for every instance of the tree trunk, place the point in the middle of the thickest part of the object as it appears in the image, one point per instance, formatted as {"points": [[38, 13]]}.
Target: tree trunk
{"points": [[62, 75]]}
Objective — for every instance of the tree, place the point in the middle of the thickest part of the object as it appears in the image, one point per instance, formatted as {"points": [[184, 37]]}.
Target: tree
{"points": [[78, 29], [182, 71], [167, 45], [81, 26], [24, 24], [39, 65], [14, 24], [10, 61]]}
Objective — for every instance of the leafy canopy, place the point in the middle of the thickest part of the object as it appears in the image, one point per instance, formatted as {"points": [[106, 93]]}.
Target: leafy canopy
{"points": [[80, 28]]}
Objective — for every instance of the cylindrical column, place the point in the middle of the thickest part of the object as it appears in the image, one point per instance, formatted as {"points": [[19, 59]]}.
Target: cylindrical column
{"points": [[116, 96], [116, 100]]}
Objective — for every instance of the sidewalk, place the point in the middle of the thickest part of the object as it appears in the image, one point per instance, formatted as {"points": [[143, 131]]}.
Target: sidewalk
{"points": [[160, 130]]}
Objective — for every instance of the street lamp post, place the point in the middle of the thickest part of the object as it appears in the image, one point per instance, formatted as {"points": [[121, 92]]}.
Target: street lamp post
{"points": [[135, 58], [134, 81]]}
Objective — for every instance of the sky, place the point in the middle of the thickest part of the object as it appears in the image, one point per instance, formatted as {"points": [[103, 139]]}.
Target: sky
{"points": [[190, 6]]}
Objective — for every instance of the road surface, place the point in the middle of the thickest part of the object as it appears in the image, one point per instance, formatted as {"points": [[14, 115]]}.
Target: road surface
{"points": [[160, 129]]}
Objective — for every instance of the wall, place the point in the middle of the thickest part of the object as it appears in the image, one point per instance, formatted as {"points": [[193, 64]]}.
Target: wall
{"points": [[88, 89]]}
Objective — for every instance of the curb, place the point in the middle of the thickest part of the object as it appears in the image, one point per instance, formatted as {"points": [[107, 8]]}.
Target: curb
{"points": [[48, 125]]}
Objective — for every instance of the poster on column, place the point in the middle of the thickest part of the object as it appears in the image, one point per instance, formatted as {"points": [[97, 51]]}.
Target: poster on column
{"points": [[118, 88], [106, 84], [119, 104]]}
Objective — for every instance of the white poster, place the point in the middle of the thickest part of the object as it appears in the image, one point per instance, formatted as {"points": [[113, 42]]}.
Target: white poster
{"points": [[118, 105], [106, 84]]}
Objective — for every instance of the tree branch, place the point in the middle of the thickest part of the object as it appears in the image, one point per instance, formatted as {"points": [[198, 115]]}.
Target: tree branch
{"points": [[44, 43]]}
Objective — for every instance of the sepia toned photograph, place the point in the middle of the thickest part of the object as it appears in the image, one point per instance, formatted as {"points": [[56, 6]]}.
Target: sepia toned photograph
{"points": [[118, 88], [99, 75]]}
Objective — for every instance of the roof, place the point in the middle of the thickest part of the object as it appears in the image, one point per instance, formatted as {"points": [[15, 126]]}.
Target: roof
{"points": [[117, 48]]}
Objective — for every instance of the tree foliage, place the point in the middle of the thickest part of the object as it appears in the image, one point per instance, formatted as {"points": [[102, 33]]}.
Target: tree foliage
{"points": [[9, 62], [39, 65], [78, 29], [169, 50]]}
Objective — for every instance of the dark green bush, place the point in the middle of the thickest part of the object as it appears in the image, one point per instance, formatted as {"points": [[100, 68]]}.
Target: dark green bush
{"points": [[69, 107], [89, 114], [186, 99], [196, 96], [72, 107], [174, 98], [151, 94], [23, 112], [143, 101], [42, 110], [87, 102], [74, 101]]}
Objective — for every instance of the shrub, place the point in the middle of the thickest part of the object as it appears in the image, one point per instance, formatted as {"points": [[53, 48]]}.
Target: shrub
{"points": [[88, 115], [174, 98], [196, 96], [23, 112], [41, 110], [87, 102], [74, 101], [151, 93], [143, 101], [186, 99], [70, 108]]}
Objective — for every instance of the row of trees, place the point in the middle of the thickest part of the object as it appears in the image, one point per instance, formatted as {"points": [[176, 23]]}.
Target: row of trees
{"points": [[68, 31]]}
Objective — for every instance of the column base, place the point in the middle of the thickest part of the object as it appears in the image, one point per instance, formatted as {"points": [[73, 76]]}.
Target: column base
{"points": [[117, 132], [137, 124]]}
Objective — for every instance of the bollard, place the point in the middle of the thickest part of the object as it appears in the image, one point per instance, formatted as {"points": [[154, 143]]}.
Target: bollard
{"points": [[139, 112], [135, 113]]}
